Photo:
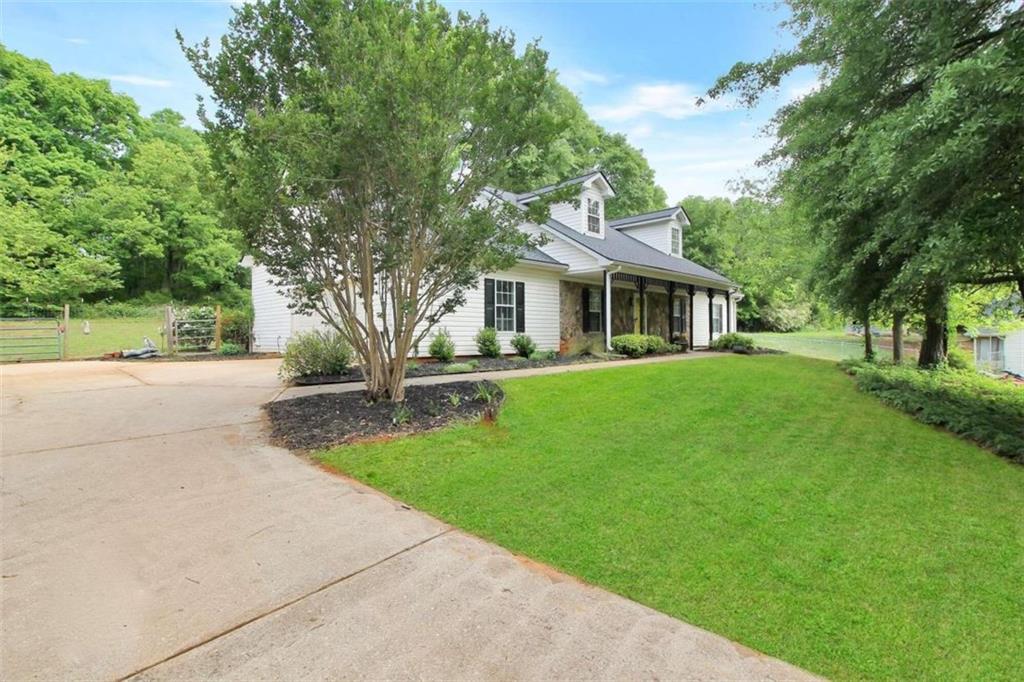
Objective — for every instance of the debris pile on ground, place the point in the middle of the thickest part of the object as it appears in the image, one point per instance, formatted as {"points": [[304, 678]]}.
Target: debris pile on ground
{"points": [[148, 350], [325, 419]]}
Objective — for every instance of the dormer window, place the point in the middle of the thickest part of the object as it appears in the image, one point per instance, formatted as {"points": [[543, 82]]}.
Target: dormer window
{"points": [[594, 216], [677, 240]]}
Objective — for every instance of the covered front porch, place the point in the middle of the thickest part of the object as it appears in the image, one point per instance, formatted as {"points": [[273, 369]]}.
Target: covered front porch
{"points": [[614, 302]]}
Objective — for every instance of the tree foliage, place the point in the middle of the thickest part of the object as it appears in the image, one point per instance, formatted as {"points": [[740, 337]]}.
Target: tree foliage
{"points": [[355, 140], [582, 146], [908, 159], [98, 200], [762, 244]]}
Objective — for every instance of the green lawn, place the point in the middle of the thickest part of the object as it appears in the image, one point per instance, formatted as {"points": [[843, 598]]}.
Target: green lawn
{"points": [[762, 497], [111, 334]]}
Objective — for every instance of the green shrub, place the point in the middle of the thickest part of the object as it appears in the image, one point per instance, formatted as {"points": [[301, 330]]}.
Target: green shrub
{"points": [[985, 410], [229, 348], [635, 345], [442, 347], [543, 355], [524, 345], [733, 341], [236, 325], [487, 343], [957, 357], [119, 309], [458, 368], [316, 353]]}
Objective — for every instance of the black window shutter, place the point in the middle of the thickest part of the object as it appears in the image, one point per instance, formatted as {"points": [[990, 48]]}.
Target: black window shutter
{"points": [[520, 307], [586, 310], [488, 302]]}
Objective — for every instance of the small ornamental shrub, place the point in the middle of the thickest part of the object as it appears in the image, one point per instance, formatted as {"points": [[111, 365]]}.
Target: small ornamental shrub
{"points": [[524, 345], [401, 415], [957, 357], [985, 410], [543, 355], [487, 343], [442, 347], [229, 348], [458, 368], [316, 353], [734, 342]]}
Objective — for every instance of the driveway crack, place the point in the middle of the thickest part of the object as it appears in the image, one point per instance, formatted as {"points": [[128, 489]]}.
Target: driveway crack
{"points": [[281, 607]]}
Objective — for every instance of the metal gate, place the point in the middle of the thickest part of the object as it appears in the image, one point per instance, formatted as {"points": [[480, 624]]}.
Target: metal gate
{"points": [[31, 338]]}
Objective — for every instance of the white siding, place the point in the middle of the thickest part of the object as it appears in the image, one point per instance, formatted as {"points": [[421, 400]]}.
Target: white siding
{"points": [[732, 314], [700, 319], [272, 323], [568, 215], [656, 235], [542, 299], [1014, 352], [562, 250]]}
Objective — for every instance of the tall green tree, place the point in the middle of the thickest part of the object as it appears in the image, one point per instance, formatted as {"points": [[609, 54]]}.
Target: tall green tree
{"points": [[583, 145], [99, 201], [908, 158], [355, 140]]}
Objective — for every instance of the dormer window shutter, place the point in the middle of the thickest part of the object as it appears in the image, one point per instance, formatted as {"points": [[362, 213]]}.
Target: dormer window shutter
{"points": [[489, 302]]}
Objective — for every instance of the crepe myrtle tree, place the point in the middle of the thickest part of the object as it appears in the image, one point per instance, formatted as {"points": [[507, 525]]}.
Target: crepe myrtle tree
{"points": [[355, 142]]}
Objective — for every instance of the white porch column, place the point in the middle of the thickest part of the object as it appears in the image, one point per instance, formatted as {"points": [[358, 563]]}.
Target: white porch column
{"points": [[607, 311]]}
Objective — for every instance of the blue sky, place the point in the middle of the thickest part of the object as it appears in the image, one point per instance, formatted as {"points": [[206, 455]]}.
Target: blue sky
{"points": [[637, 67]]}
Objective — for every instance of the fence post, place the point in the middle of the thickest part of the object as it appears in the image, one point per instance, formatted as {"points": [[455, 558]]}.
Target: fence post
{"points": [[169, 329], [67, 332], [216, 329]]}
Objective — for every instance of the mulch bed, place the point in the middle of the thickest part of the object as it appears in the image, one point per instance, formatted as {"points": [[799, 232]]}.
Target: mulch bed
{"points": [[428, 369], [326, 419]]}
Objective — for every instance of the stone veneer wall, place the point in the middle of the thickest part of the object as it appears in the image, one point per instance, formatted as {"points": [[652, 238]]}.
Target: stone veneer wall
{"points": [[657, 313], [570, 315], [622, 311]]}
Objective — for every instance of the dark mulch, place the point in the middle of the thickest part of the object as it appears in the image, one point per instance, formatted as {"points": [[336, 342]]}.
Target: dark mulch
{"points": [[318, 421], [427, 369]]}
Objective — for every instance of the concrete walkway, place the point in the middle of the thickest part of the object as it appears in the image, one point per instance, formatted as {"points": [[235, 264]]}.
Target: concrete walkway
{"points": [[149, 530]]}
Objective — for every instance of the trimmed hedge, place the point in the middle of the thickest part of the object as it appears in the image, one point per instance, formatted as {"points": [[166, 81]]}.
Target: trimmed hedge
{"points": [[635, 345], [985, 410], [315, 353]]}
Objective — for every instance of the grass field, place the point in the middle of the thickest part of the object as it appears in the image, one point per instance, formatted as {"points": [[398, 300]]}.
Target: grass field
{"points": [[824, 345], [763, 498], [111, 334]]}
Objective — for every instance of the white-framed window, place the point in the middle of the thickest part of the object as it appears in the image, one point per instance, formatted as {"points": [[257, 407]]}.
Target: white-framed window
{"points": [[594, 314], [677, 240], [593, 215], [716, 318], [678, 316], [504, 305]]}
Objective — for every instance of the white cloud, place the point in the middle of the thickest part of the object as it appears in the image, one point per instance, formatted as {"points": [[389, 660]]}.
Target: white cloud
{"points": [[800, 90], [144, 81], [668, 100], [576, 78], [77, 41]]}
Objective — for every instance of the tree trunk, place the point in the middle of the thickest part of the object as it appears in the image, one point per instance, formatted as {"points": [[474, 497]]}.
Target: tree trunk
{"points": [[869, 350], [897, 337], [935, 342]]}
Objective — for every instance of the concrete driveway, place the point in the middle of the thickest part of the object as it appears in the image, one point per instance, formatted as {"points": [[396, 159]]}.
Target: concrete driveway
{"points": [[149, 529]]}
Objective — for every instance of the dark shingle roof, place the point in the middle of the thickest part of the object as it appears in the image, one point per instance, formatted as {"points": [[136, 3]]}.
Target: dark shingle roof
{"points": [[532, 253], [526, 196], [644, 217], [621, 248]]}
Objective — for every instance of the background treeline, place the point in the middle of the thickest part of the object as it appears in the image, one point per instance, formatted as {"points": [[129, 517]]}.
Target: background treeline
{"points": [[98, 202], [104, 206]]}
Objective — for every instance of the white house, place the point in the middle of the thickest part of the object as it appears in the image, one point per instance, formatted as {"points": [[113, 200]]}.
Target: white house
{"points": [[996, 351], [592, 276]]}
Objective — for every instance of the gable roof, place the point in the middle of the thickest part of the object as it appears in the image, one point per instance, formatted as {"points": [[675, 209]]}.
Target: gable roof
{"points": [[620, 247], [664, 213], [578, 180]]}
